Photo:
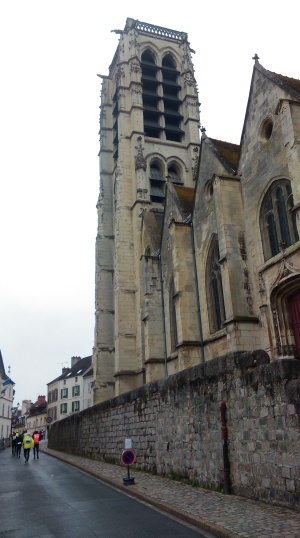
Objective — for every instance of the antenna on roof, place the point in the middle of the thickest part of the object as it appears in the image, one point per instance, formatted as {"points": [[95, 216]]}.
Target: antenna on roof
{"points": [[62, 363]]}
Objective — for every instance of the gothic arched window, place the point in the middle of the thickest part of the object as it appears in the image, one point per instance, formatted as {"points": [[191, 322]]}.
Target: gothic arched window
{"points": [[173, 320], [277, 219], [215, 297]]}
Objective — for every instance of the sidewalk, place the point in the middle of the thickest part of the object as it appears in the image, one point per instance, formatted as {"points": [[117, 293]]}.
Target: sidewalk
{"points": [[225, 516]]}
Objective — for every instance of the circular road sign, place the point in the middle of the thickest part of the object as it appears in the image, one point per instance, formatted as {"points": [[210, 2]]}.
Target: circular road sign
{"points": [[48, 420], [128, 457]]}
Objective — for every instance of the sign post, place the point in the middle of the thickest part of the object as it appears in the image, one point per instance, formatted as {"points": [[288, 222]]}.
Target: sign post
{"points": [[128, 457]]}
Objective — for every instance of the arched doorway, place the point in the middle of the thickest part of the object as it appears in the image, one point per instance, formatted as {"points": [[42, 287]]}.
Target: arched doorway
{"points": [[294, 307], [285, 307]]}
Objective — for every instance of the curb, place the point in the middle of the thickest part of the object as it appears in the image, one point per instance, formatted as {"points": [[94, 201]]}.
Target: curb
{"points": [[198, 522]]}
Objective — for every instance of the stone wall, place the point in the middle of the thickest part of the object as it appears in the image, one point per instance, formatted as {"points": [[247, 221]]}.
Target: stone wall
{"points": [[175, 426]]}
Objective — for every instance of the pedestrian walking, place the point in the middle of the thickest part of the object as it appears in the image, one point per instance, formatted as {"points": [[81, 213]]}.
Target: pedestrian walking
{"points": [[36, 436], [27, 445], [19, 439], [13, 443]]}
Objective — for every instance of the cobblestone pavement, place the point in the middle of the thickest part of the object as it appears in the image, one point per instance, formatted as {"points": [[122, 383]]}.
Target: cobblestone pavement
{"points": [[221, 515]]}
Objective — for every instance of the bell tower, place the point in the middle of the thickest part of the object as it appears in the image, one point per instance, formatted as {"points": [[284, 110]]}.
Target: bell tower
{"points": [[149, 134]]}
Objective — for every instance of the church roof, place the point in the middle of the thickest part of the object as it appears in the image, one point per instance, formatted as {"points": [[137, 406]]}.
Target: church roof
{"points": [[153, 223], [229, 152], [291, 85], [186, 198]]}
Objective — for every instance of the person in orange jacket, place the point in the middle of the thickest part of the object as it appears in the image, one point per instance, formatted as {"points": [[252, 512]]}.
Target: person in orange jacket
{"points": [[36, 436]]}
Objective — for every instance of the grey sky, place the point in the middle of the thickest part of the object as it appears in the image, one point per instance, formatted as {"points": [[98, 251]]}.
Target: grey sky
{"points": [[51, 53]]}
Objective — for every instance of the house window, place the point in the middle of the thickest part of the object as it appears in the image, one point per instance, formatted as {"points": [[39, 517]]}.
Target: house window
{"points": [[173, 320], [63, 408], [64, 393], [277, 219], [215, 298], [49, 397], [76, 390], [76, 379], [75, 407], [90, 387]]}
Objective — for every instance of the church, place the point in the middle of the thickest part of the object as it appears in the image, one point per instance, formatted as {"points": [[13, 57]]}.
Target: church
{"points": [[197, 247]]}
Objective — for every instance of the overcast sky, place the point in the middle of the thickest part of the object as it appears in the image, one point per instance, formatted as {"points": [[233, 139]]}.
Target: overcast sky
{"points": [[51, 53]]}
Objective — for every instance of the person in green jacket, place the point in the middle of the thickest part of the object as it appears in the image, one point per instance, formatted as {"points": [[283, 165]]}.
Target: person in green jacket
{"points": [[27, 445]]}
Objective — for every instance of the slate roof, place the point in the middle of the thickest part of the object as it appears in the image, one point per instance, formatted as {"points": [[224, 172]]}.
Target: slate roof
{"points": [[2, 369], [36, 409], [80, 368], [89, 372], [6, 380]]}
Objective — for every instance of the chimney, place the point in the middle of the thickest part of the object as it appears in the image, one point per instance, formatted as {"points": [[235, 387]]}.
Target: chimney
{"points": [[41, 400], [66, 370], [74, 360]]}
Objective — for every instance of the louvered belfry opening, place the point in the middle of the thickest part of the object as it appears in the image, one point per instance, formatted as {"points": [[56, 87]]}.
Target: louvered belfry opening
{"points": [[171, 100], [160, 98]]}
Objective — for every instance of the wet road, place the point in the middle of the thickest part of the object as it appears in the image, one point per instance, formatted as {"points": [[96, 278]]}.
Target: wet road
{"points": [[48, 498]]}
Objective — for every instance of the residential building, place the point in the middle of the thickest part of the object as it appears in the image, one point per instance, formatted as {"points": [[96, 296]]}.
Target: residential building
{"points": [[197, 249], [6, 404], [68, 393], [36, 416]]}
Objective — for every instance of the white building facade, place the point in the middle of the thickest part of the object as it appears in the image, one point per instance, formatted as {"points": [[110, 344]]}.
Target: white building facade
{"points": [[70, 392], [6, 404]]}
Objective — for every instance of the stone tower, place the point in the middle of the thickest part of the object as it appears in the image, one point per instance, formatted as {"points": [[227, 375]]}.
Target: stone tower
{"points": [[149, 136]]}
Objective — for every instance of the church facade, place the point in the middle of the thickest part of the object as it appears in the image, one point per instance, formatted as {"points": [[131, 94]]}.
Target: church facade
{"points": [[197, 249]]}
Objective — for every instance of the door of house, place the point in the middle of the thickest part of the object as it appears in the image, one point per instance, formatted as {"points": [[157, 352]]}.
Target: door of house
{"points": [[295, 317]]}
